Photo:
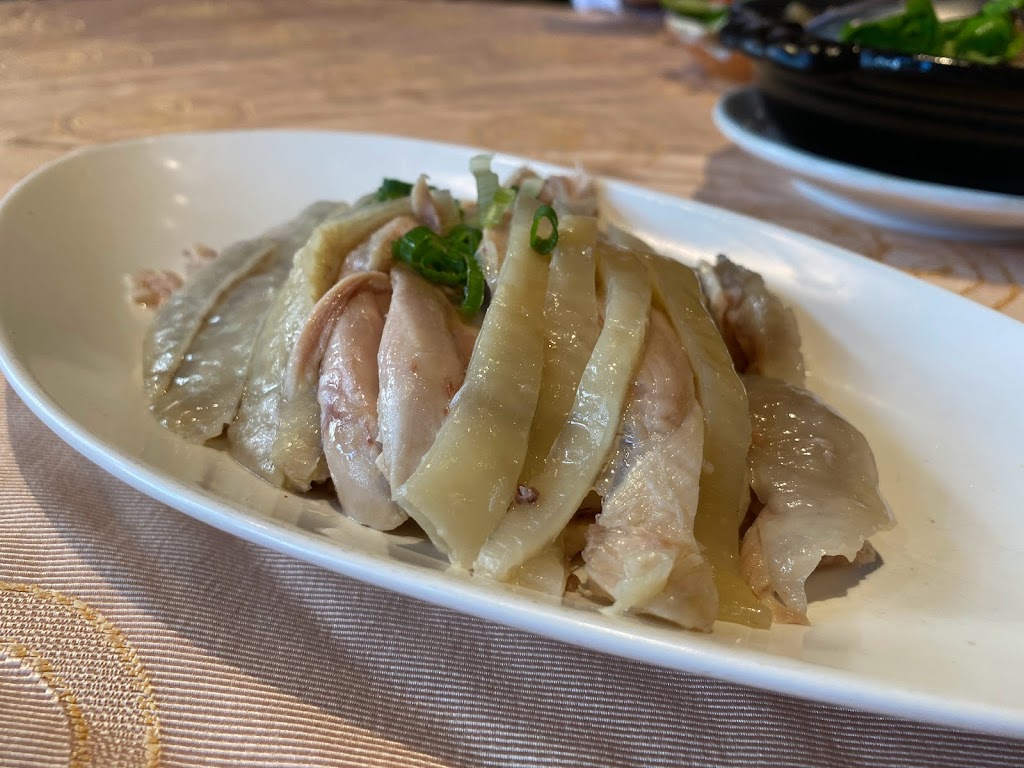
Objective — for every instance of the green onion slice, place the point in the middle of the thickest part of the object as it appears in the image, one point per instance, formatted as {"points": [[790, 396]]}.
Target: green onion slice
{"points": [[473, 297], [446, 260], [544, 245], [391, 189]]}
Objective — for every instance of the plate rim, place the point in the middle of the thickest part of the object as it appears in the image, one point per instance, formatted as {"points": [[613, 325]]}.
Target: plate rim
{"points": [[854, 177], [785, 676]]}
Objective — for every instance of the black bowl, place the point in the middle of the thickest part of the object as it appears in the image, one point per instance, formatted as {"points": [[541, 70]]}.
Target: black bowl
{"points": [[923, 117]]}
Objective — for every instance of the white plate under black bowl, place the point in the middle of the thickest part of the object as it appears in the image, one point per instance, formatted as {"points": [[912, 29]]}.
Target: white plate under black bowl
{"points": [[870, 195]]}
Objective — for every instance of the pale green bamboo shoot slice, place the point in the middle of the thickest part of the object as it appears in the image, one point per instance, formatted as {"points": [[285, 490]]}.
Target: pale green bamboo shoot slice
{"points": [[570, 328], [278, 440], [582, 447], [723, 480], [545, 572], [466, 480]]}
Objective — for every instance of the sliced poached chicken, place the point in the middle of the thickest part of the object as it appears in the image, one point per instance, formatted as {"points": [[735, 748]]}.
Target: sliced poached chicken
{"points": [[760, 331], [338, 350], [816, 477], [641, 551], [422, 363]]}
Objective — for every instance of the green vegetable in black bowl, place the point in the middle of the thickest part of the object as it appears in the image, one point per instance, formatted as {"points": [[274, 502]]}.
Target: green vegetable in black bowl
{"points": [[993, 35], [708, 12], [850, 82]]}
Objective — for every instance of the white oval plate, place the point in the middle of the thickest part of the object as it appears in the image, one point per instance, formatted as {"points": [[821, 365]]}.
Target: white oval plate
{"points": [[878, 198], [933, 381]]}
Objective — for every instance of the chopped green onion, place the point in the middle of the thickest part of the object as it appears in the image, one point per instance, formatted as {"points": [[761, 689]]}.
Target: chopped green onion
{"points": [[445, 260], [466, 239], [391, 189], [473, 298], [546, 244], [487, 183], [990, 36], [426, 252], [503, 199]]}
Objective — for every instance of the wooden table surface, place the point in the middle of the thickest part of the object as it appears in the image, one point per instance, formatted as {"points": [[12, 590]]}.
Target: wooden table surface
{"points": [[537, 80]]}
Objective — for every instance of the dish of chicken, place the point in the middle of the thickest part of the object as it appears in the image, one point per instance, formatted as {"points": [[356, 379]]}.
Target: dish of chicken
{"points": [[552, 403]]}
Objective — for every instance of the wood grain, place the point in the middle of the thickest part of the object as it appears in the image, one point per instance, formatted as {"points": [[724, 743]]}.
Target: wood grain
{"points": [[617, 97]]}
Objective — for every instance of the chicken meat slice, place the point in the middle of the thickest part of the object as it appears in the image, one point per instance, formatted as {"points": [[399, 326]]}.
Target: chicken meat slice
{"points": [[435, 208], [202, 396], [571, 194], [816, 477], [575, 194], [338, 349], [204, 393], [641, 550], [424, 207], [182, 314], [374, 255], [422, 362], [760, 331], [275, 436]]}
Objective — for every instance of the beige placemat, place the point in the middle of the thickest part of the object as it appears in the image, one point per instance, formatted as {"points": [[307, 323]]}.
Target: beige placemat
{"points": [[132, 635]]}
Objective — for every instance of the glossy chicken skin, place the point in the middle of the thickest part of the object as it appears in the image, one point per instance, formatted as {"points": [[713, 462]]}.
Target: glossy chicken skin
{"points": [[421, 362], [816, 477], [642, 551], [338, 347], [374, 255], [760, 331]]}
